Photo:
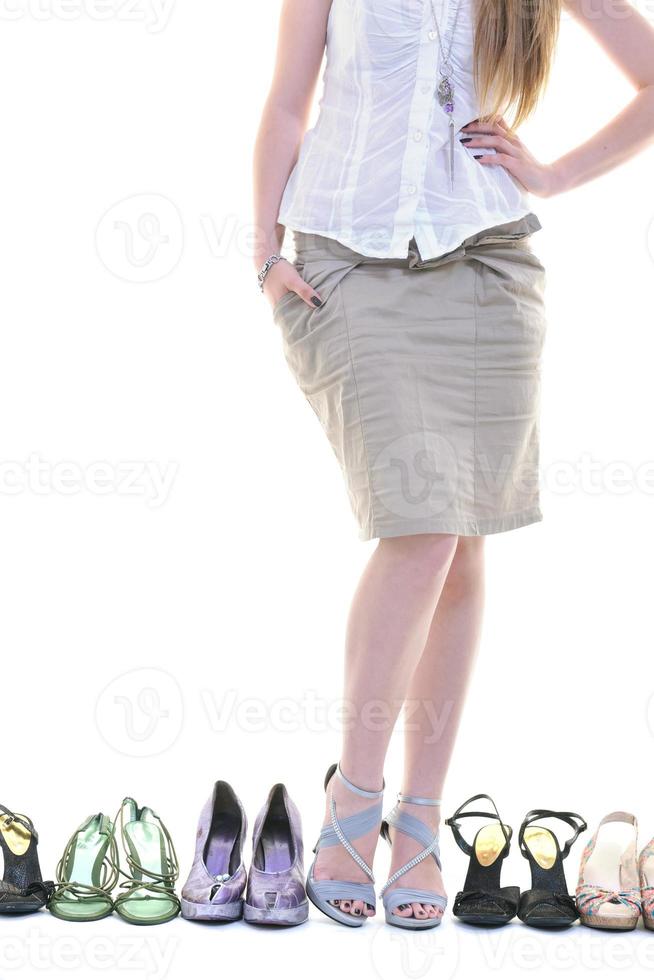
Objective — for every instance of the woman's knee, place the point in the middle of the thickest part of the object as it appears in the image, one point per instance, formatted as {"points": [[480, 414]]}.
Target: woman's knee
{"points": [[426, 553], [467, 565]]}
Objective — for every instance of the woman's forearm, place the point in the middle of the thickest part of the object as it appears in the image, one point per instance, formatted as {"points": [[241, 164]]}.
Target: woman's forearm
{"points": [[276, 150], [621, 139]]}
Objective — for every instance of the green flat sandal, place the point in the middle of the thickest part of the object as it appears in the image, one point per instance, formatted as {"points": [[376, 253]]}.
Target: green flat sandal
{"points": [[87, 873], [148, 896]]}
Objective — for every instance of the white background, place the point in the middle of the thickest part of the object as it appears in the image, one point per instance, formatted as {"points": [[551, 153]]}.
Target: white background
{"points": [[228, 590]]}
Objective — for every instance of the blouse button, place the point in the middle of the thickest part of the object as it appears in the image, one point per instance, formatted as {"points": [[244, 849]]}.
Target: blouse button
{"points": [[417, 136]]}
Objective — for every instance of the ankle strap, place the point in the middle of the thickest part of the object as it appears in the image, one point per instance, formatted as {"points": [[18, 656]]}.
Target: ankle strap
{"points": [[576, 822], [417, 800], [459, 814], [368, 794]]}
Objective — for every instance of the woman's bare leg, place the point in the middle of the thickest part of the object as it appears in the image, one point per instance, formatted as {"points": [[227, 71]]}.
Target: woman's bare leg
{"points": [[387, 630], [435, 701]]}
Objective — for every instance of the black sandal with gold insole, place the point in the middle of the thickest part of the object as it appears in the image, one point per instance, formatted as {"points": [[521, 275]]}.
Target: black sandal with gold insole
{"points": [[22, 889], [483, 901], [547, 904]]}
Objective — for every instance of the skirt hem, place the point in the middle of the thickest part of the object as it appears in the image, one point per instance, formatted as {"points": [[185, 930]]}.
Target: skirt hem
{"points": [[463, 528]]}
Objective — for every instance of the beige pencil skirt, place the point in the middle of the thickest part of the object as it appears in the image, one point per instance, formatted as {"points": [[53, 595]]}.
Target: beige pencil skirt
{"points": [[425, 376]]}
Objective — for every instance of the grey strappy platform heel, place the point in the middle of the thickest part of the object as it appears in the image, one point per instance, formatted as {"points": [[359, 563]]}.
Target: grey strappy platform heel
{"points": [[407, 824], [342, 832]]}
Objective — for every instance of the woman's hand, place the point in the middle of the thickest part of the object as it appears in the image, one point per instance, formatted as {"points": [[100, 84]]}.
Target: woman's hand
{"points": [[511, 153], [284, 278]]}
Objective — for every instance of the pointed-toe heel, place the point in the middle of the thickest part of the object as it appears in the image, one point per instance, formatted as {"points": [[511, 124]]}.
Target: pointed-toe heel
{"points": [[276, 895], [547, 904], [214, 889], [392, 898], [341, 833]]}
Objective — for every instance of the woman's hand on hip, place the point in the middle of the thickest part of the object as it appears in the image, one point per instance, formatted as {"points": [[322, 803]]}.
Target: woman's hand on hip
{"points": [[512, 154], [284, 278]]}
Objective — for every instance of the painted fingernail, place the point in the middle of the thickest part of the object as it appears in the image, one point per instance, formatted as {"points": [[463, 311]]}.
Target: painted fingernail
{"points": [[316, 301], [466, 139]]}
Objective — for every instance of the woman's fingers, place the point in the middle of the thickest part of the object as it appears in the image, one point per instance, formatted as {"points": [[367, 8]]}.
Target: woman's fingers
{"points": [[499, 143], [284, 278], [499, 128]]}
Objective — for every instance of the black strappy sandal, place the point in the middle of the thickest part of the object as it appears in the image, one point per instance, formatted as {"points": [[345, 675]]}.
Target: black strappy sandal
{"points": [[482, 901], [22, 889], [547, 904]]}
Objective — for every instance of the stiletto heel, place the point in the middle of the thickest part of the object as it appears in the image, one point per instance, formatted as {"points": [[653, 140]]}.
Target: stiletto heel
{"points": [[22, 889], [482, 901], [547, 904], [608, 892], [407, 824], [342, 832]]}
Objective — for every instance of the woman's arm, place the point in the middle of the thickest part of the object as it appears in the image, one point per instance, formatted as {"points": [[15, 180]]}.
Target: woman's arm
{"points": [[300, 49], [628, 39]]}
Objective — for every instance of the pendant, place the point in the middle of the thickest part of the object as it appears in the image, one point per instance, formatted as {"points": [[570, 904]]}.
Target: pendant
{"points": [[445, 93]]}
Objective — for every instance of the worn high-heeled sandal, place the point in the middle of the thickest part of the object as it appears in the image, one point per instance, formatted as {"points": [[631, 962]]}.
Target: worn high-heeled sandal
{"points": [[342, 832], [149, 888], [608, 891], [22, 889], [482, 901], [547, 904], [87, 873], [646, 877], [407, 824]]}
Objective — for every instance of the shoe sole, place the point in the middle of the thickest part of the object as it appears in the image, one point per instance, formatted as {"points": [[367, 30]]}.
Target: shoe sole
{"points": [[484, 920], [229, 912], [276, 917], [606, 922]]}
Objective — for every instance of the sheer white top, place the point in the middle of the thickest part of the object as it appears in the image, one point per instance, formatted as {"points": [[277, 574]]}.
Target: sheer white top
{"points": [[373, 172]]}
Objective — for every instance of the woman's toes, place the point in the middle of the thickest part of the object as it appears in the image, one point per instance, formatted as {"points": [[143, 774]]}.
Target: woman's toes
{"points": [[404, 910], [431, 911], [368, 910], [418, 910], [357, 908], [346, 905]]}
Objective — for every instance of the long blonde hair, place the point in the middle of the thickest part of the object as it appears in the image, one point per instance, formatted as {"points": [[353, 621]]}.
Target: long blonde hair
{"points": [[514, 47]]}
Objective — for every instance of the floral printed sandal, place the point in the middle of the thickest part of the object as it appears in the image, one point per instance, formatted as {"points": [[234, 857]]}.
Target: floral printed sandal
{"points": [[646, 875], [87, 873], [608, 892], [149, 889]]}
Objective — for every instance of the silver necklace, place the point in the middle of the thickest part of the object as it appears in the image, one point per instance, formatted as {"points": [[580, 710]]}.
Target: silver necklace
{"points": [[445, 90]]}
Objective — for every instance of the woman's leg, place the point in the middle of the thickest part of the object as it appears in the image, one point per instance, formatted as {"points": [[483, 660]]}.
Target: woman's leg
{"points": [[435, 701], [387, 630]]}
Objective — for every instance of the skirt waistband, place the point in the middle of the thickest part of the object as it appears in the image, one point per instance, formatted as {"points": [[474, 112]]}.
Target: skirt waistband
{"points": [[311, 244]]}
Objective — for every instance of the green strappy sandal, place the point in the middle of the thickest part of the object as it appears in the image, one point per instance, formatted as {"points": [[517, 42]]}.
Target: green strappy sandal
{"points": [[149, 895], [87, 873]]}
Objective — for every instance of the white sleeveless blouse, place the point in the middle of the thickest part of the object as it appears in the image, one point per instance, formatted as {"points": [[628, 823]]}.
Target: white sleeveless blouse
{"points": [[374, 170]]}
